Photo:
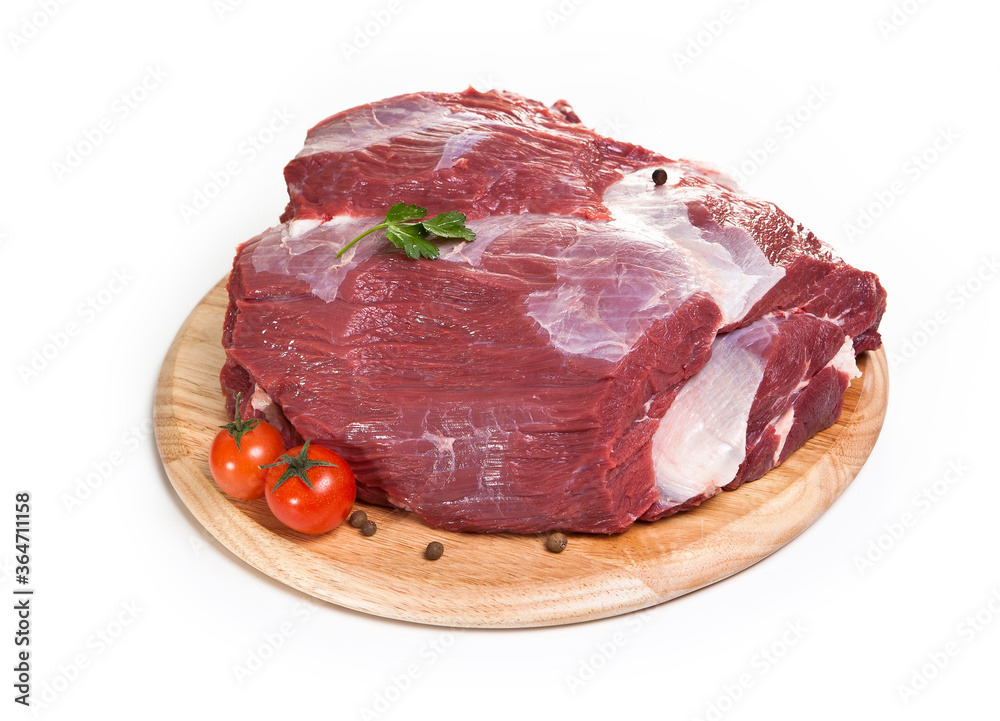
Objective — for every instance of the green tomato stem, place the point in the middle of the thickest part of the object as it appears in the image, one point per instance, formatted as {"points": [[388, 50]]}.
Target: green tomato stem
{"points": [[238, 426], [298, 466]]}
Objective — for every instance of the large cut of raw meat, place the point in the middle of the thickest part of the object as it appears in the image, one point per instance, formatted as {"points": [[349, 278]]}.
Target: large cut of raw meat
{"points": [[606, 350]]}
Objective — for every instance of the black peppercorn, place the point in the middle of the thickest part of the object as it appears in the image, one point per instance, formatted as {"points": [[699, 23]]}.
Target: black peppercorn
{"points": [[659, 176], [358, 519], [556, 542]]}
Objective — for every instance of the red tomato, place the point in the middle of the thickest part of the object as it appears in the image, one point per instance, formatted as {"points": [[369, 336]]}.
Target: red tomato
{"points": [[238, 452], [318, 506]]}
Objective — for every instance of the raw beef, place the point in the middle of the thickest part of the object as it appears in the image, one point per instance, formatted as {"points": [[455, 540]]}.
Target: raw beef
{"points": [[606, 349], [766, 389]]}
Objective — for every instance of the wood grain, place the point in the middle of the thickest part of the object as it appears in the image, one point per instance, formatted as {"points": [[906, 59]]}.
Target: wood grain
{"points": [[500, 580]]}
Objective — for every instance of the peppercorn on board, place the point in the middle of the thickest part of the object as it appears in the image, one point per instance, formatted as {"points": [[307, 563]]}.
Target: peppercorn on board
{"points": [[500, 580]]}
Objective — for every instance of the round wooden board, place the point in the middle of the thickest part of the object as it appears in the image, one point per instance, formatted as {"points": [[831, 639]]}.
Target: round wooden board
{"points": [[500, 580]]}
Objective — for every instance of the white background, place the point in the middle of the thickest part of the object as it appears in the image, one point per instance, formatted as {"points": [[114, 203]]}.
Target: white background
{"points": [[885, 85]]}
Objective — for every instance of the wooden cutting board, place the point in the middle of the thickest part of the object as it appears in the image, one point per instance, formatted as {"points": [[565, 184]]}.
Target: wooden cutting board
{"points": [[500, 580]]}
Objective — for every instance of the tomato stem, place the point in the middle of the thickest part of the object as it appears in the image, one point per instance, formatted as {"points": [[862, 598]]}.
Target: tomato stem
{"points": [[238, 426], [298, 466]]}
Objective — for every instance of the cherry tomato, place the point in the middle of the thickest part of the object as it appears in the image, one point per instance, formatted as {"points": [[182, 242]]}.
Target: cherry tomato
{"points": [[238, 452], [310, 489]]}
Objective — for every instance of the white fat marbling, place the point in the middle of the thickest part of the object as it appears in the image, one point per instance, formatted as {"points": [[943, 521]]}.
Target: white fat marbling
{"points": [[734, 269], [655, 260], [367, 125], [783, 427], [845, 361], [458, 145], [701, 440]]}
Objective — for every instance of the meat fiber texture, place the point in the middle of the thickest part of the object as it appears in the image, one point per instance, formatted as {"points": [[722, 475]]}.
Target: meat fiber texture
{"points": [[606, 350]]}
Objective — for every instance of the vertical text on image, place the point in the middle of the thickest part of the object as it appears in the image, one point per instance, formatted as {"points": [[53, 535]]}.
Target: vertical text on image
{"points": [[22, 598]]}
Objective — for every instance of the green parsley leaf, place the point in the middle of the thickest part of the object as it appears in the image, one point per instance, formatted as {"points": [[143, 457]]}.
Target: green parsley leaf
{"points": [[449, 225], [404, 229], [411, 239], [401, 213]]}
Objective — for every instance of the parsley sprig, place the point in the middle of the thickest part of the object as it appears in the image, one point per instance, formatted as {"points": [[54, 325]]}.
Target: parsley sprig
{"points": [[406, 229]]}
